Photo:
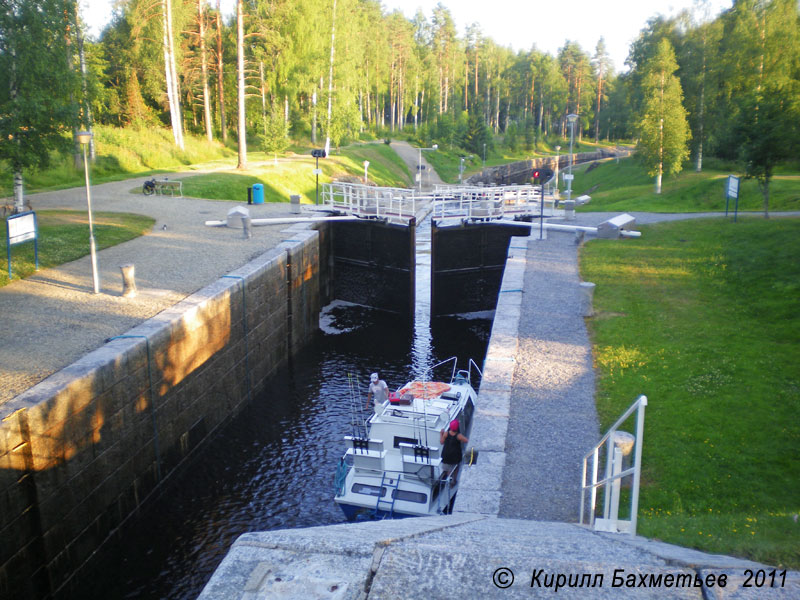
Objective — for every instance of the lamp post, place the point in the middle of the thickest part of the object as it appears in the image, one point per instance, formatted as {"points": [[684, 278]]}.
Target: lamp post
{"points": [[366, 165], [558, 160], [461, 169], [484, 156], [419, 166], [571, 118], [84, 137]]}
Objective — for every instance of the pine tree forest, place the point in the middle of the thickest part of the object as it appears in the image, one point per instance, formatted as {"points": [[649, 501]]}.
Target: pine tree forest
{"points": [[334, 69]]}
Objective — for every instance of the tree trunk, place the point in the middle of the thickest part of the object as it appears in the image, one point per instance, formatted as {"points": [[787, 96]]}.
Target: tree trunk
{"points": [[241, 89], [171, 76], [263, 95], [765, 193], [19, 196], [658, 181], [314, 118], [220, 80], [330, 81], [204, 71]]}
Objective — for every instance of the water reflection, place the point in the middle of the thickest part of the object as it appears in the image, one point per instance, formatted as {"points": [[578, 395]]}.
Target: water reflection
{"points": [[272, 467]]}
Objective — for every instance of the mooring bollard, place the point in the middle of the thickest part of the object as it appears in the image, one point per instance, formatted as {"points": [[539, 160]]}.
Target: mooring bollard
{"points": [[569, 210], [128, 280], [247, 227], [587, 296], [295, 200]]}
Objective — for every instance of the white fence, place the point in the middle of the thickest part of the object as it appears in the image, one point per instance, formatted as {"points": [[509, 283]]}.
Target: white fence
{"points": [[619, 444], [447, 202], [370, 201]]}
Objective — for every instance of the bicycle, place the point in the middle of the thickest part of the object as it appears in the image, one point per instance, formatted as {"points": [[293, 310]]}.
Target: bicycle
{"points": [[149, 187]]}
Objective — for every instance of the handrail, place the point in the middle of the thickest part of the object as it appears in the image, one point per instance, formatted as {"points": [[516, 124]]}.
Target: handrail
{"points": [[614, 473]]}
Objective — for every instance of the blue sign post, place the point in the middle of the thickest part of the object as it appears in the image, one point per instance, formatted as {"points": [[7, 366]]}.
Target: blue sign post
{"points": [[732, 191], [22, 228]]}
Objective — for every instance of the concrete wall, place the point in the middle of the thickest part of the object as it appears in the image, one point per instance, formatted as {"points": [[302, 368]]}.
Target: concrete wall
{"points": [[81, 451], [520, 172]]}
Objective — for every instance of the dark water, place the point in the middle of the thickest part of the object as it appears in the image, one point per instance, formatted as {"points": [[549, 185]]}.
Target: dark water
{"points": [[273, 466]]}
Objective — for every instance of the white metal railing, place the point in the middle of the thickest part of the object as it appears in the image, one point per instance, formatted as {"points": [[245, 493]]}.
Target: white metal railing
{"points": [[447, 201], [614, 472], [489, 203], [370, 201]]}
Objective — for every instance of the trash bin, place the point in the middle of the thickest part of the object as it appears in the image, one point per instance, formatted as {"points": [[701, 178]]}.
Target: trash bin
{"points": [[258, 193], [295, 200]]}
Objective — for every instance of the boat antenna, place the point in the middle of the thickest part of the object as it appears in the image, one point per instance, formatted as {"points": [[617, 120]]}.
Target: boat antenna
{"points": [[351, 392]]}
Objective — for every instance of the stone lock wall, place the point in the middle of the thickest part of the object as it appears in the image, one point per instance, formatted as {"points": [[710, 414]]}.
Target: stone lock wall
{"points": [[81, 451], [520, 172]]}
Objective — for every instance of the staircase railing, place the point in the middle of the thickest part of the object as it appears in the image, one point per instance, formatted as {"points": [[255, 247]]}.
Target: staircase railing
{"points": [[617, 445]]}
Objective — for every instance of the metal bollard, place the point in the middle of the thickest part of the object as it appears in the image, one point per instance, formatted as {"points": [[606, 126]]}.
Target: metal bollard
{"points": [[247, 227], [128, 280], [587, 296], [295, 201]]}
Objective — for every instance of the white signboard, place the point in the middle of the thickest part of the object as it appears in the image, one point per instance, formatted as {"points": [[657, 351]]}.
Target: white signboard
{"points": [[568, 176], [733, 186], [317, 171], [21, 228]]}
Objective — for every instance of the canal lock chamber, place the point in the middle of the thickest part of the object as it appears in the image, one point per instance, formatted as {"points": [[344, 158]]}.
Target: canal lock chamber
{"points": [[252, 401]]}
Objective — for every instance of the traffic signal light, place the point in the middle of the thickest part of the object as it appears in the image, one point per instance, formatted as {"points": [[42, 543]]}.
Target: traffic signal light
{"points": [[318, 153], [542, 175]]}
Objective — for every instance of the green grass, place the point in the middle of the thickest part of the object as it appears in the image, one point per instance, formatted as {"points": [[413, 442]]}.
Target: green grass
{"points": [[64, 237], [294, 175], [121, 154], [703, 317], [625, 186]]}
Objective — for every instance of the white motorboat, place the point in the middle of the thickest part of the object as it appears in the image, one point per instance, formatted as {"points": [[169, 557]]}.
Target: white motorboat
{"points": [[392, 467]]}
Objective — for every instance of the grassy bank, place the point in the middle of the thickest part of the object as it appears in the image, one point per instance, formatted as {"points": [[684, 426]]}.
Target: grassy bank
{"points": [[625, 186], [121, 154], [295, 175], [64, 236], [702, 317]]}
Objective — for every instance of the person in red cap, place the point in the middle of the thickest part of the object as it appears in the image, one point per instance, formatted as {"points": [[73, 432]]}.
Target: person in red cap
{"points": [[452, 451]]}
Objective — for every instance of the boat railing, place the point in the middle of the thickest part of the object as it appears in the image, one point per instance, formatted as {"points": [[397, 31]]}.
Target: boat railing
{"points": [[620, 447]]}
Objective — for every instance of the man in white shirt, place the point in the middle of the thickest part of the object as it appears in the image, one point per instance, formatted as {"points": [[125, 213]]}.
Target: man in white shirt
{"points": [[378, 392]]}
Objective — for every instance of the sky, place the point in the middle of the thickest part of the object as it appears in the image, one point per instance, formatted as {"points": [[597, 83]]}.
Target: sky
{"points": [[520, 24]]}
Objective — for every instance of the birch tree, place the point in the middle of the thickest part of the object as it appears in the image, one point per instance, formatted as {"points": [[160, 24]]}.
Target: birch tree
{"points": [[36, 87], [171, 75], [663, 128], [242, 129]]}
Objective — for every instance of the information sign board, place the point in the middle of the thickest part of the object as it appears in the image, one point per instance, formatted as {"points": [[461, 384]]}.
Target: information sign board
{"points": [[22, 228], [733, 186]]}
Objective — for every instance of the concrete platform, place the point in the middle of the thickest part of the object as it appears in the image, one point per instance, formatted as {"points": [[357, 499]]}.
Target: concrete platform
{"points": [[473, 556]]}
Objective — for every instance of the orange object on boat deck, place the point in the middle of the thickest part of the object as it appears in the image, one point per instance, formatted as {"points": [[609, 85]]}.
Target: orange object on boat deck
{"points": [[425, 389]]}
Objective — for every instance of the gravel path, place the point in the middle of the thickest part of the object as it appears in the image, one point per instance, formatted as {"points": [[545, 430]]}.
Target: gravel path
{"points": [[52, 318]]}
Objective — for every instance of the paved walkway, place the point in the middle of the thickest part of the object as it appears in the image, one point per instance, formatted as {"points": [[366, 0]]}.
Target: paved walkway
{"points": [[52, 318], [411, 156]]}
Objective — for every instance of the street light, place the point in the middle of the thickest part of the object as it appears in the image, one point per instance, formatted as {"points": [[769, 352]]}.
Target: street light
{"points": [[461, 168], [571, 118], [558, 160], [419, 166], [84, 137], [366, 165]]}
